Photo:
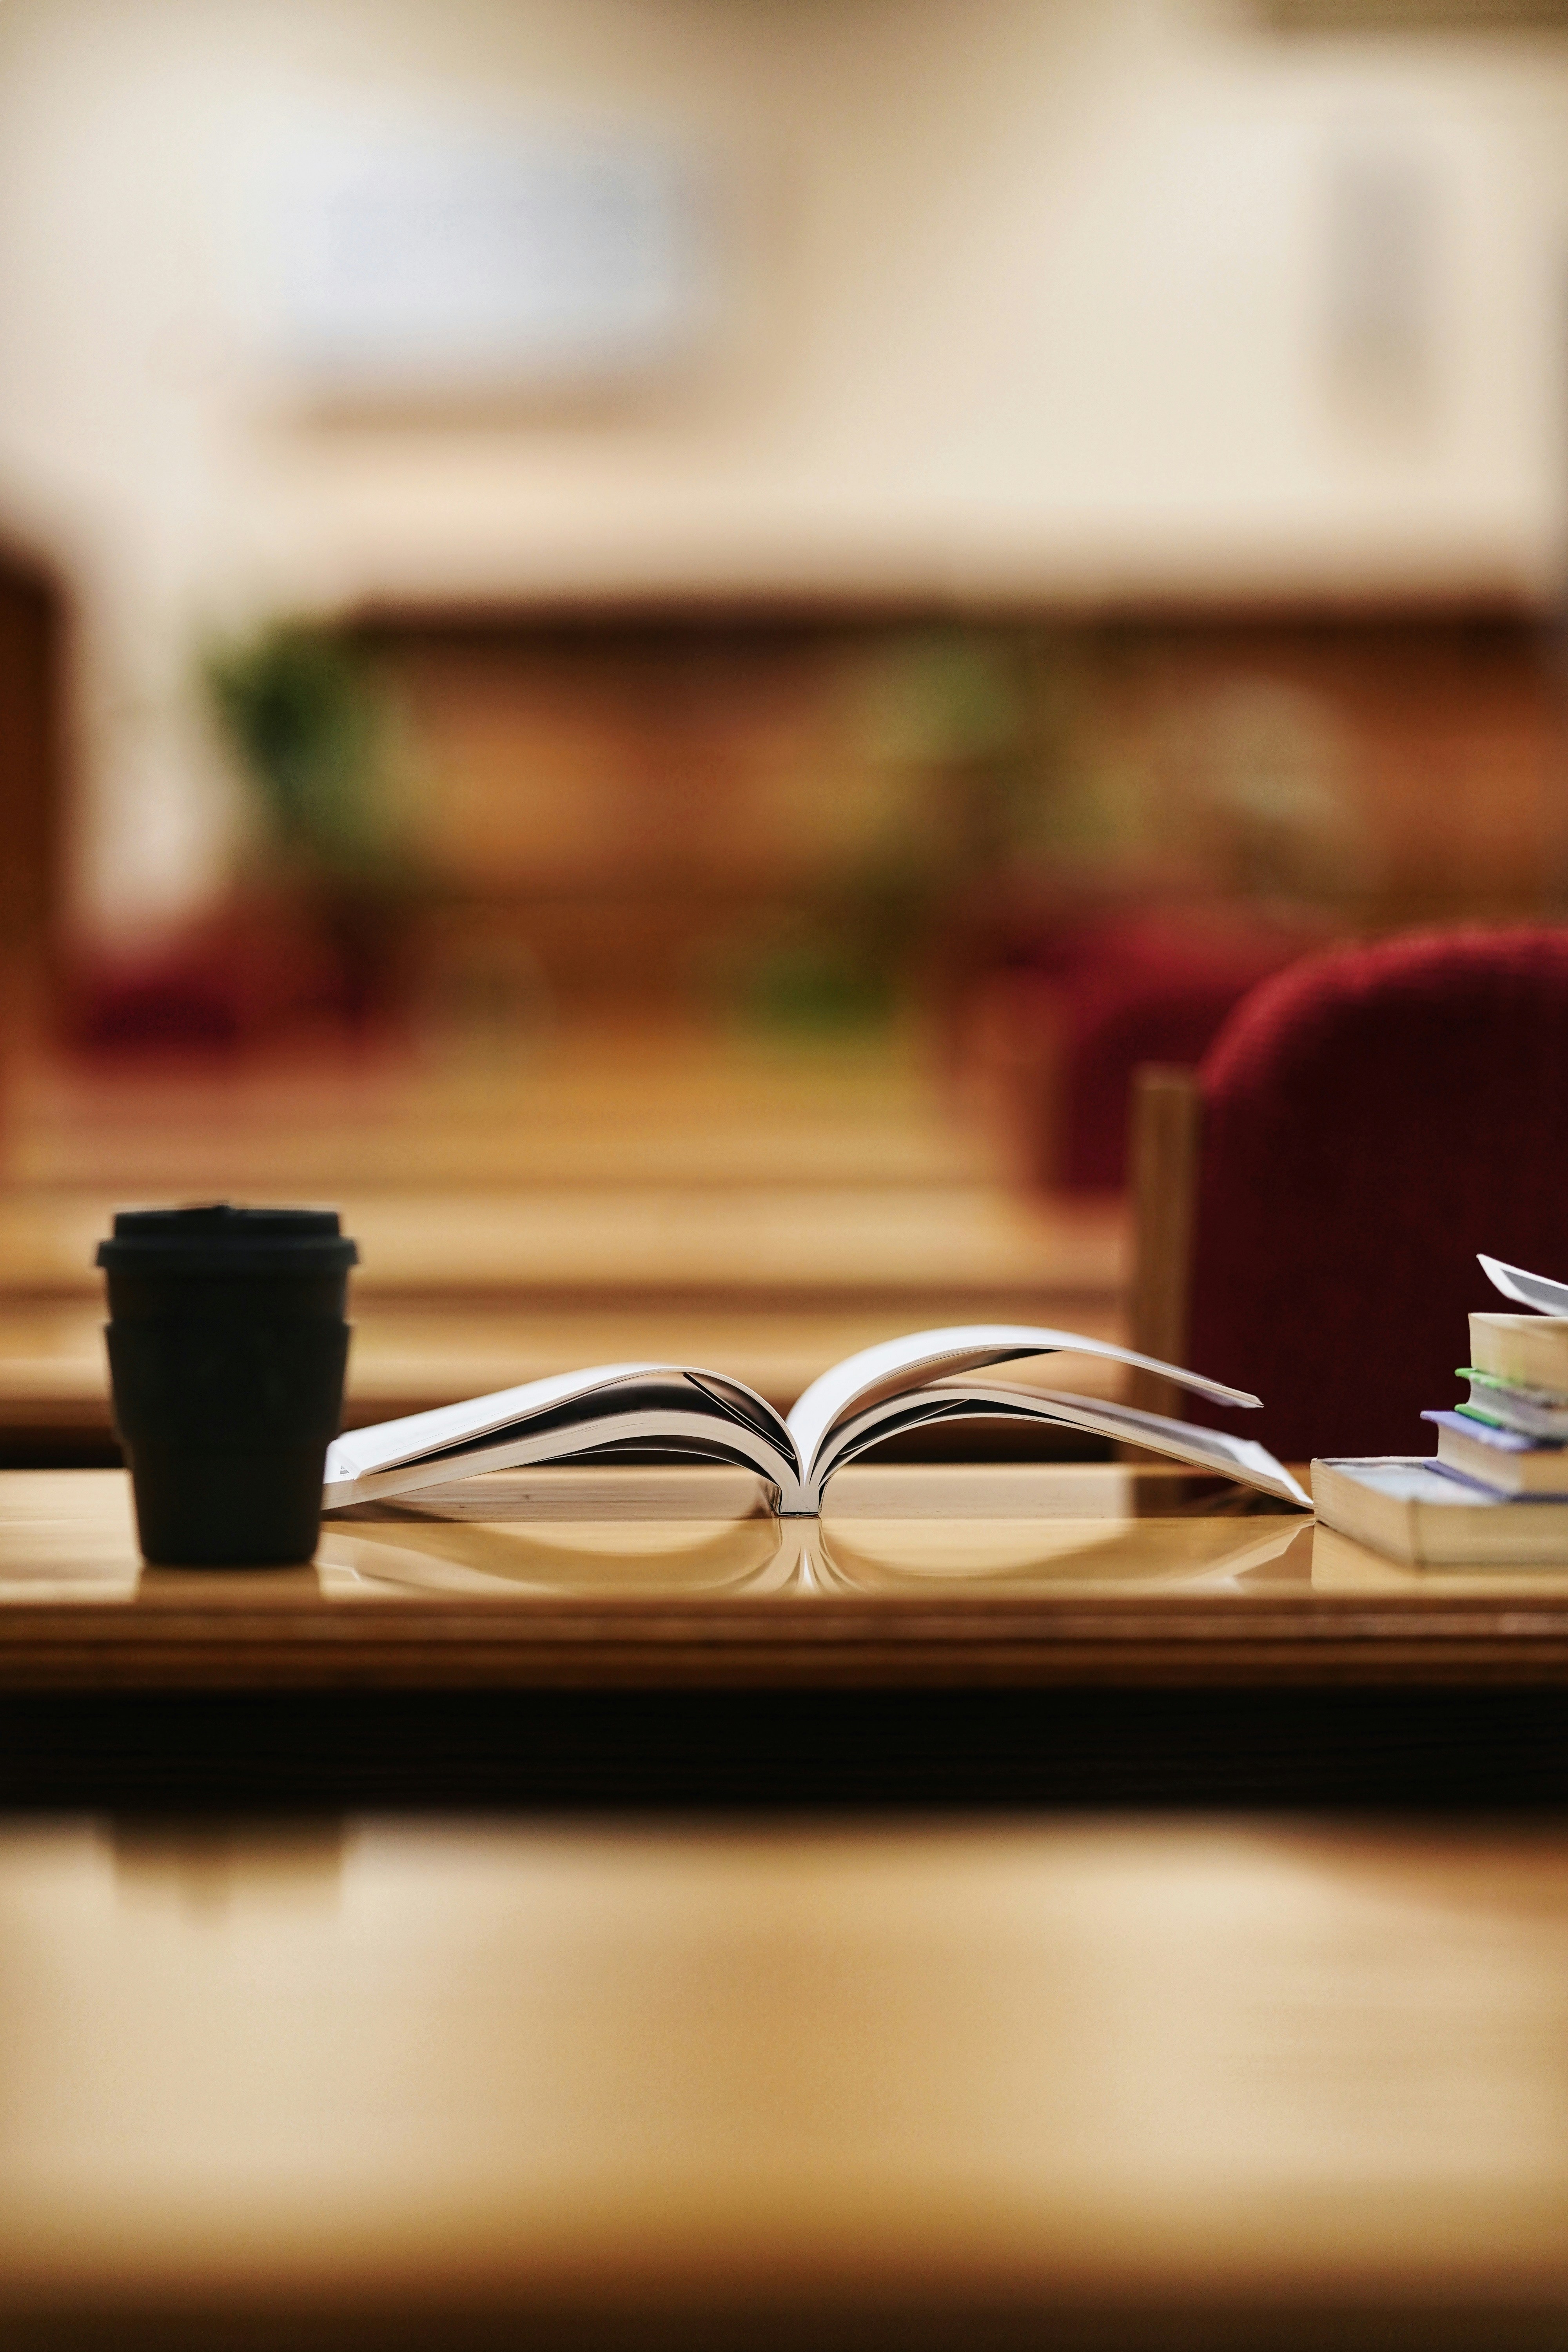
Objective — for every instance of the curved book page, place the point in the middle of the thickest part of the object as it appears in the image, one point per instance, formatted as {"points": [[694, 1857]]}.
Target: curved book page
{"points": [[614, 1426], [1536, 1290], [886, 1371], [1180, 1441], [421, 1434], [679, 1408], [545, 1418], [388, 1443]]}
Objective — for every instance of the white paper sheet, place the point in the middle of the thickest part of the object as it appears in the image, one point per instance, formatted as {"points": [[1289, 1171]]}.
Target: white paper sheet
{"points": [[964, 1347], [1534, 1290]]}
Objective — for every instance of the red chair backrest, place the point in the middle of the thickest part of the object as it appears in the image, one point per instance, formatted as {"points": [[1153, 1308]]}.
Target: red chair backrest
{"points": [[1372, 1118]]}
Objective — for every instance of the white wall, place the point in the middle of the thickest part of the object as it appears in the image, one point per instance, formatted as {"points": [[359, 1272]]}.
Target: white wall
{"points": [[1030, 297]]}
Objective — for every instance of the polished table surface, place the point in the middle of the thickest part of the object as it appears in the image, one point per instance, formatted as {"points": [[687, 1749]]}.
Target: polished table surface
{"points": [[609, 1575], [613, 1574], [1068, 1632], [1052, 1633]]}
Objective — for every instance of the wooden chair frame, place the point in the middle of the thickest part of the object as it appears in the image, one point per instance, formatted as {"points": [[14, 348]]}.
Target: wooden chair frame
{"points": [[1166, 1138]]}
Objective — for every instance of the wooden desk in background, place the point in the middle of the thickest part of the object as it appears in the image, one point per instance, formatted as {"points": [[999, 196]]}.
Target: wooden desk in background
{"points": [[684, 1198], [891, 1247], [459, 1295]]}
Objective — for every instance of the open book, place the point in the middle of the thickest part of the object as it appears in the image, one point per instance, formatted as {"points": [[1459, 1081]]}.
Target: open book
{"points": [[925, 1377], [1535, 1290]]}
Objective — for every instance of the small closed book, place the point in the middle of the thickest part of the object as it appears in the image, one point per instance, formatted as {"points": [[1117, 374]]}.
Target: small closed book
{"points": [[1527, 1351], [1534, 1413], [1502, 1458], [906, 1383], [1404, 1507]]}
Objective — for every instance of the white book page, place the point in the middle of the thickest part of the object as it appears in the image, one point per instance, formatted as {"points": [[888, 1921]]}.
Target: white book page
{"points": [[1536, 1290], [963, 1347], [386, 1443], [1181, 1441], [418, 1436], [514, 1446]]}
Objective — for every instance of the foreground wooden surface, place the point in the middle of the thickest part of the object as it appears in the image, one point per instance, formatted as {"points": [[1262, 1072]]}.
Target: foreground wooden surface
{"points": [[1050, 1576], [1085, 2083]]}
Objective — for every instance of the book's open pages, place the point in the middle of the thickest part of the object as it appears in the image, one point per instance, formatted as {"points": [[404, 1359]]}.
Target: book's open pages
{"points": [[1536, 1290], [904, 1383]]}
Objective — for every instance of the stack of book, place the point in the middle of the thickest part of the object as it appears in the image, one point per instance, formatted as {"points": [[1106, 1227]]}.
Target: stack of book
{"points": [[1496, 1492], [1511, 1436]]}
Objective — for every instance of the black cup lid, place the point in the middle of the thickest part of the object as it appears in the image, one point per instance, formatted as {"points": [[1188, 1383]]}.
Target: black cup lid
{"points": [[219, 1239]]}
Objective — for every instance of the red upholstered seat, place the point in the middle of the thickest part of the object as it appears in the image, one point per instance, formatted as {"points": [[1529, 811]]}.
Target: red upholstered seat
{"points": [[1371, 1120]]}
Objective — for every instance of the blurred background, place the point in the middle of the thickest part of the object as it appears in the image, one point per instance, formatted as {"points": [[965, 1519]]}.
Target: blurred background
{"points": [[650, 642]]}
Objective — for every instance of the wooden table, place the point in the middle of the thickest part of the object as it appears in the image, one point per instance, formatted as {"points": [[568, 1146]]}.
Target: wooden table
{"points": [[1091, 1632], [284, 2068], [701, 2083]]}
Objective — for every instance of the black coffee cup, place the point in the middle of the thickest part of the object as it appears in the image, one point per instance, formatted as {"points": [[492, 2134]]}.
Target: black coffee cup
{"points": [[227, 1349]]}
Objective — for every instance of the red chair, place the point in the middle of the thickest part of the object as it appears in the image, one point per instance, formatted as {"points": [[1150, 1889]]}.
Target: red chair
{"points": [[247, 975], [1311, 1205], [1149, 990], [1070, 1015]]}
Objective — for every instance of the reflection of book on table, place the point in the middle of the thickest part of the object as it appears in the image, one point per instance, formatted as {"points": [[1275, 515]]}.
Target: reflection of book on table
{"points": [[933, 1531], [906, 1383]]}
